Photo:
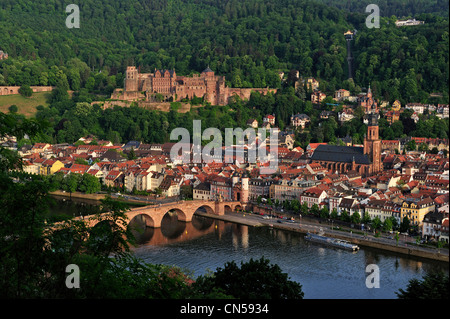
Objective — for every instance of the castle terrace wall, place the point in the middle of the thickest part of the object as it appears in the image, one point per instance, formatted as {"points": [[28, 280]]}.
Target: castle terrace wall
{"points": [[11, 90]]}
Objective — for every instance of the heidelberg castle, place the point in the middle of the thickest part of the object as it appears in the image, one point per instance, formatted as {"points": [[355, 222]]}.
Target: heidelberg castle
{"points": [[144, 87]]}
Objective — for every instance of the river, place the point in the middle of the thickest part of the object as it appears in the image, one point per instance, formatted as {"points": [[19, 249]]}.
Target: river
{"points": [[205, 244]]}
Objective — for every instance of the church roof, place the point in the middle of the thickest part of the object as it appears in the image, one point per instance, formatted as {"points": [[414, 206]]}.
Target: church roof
{"points": [[346, 154]]}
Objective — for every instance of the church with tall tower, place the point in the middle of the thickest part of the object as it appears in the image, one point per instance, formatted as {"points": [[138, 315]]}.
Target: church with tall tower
{"points": [[364, 160], [372, 142]]}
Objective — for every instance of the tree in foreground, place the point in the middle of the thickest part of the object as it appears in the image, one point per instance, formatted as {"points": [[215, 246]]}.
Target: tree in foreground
{"points": [[255, 279], [434, 285]]}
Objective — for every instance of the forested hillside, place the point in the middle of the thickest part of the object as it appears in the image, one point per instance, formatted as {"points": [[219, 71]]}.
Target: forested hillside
{"points": [[399, 8], [247, 41]]}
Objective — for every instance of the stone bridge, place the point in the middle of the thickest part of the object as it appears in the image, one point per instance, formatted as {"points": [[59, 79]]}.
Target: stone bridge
{"points": [[152, 215]]}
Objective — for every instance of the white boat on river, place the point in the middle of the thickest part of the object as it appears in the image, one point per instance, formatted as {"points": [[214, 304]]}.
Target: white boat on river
{"points": [[334, 242]]}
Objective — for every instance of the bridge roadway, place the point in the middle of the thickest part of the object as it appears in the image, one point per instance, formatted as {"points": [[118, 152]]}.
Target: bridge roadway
{"points": [[152, 215]]}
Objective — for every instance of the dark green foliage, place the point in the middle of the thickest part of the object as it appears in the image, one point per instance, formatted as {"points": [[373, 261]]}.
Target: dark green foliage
{"points": [[247, 41], [255, 279], [25, 91], [13, 108], [13, 124], [21, 237], [393, 7], [434, 285]]}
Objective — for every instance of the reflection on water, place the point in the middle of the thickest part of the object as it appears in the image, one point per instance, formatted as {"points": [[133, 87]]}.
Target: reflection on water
{"points": [[62, 207], [240, 237], [172, 231], [324, 272], [206, 244]]}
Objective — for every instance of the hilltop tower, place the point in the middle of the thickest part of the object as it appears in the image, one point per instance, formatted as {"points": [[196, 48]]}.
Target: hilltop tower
{"points": [[210, 85], [131, 79]]}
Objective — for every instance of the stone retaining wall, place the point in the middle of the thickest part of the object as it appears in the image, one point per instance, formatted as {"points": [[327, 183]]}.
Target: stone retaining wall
{"points": [[14, 90]]}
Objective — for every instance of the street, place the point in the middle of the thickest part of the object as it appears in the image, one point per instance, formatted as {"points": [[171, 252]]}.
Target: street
{"points": [[301, 225]]}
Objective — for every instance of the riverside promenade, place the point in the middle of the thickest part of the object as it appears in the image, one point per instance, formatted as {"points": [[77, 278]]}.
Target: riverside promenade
{"points": [[402, 247]]}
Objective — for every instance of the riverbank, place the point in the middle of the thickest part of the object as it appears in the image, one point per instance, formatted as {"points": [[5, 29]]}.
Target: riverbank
{"points": [[233, 219], [99, 197], [302, 227]]}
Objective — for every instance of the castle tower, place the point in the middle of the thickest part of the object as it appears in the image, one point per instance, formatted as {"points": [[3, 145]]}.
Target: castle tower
{"points": [[372, 143], [208, 72], [131, 79], [210, 85]]}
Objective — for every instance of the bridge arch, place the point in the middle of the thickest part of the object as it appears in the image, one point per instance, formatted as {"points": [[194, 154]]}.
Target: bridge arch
{"points": [[227, 208], [143, 219], [202, 225], [181, 214], [232, 207], [206, 207], [172, 230]]}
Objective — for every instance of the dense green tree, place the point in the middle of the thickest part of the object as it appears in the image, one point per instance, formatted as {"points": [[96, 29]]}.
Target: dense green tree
{"points": [[334, 214], [376, 223], [324, 212], [304, 208], [89, 184], [255, 279], [345, 216], [70, 183], [314, 210], [387, 225], [434, 285], [356, 218], [13, 108], [411, 145], [25, 91], [404, 225]]}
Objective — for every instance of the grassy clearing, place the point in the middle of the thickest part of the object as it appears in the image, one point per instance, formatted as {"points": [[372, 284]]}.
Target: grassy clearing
{"points": [[26, 105]]}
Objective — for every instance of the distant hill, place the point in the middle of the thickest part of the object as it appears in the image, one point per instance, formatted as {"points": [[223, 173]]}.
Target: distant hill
{"points": [[248, 41], [399, 8]]}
